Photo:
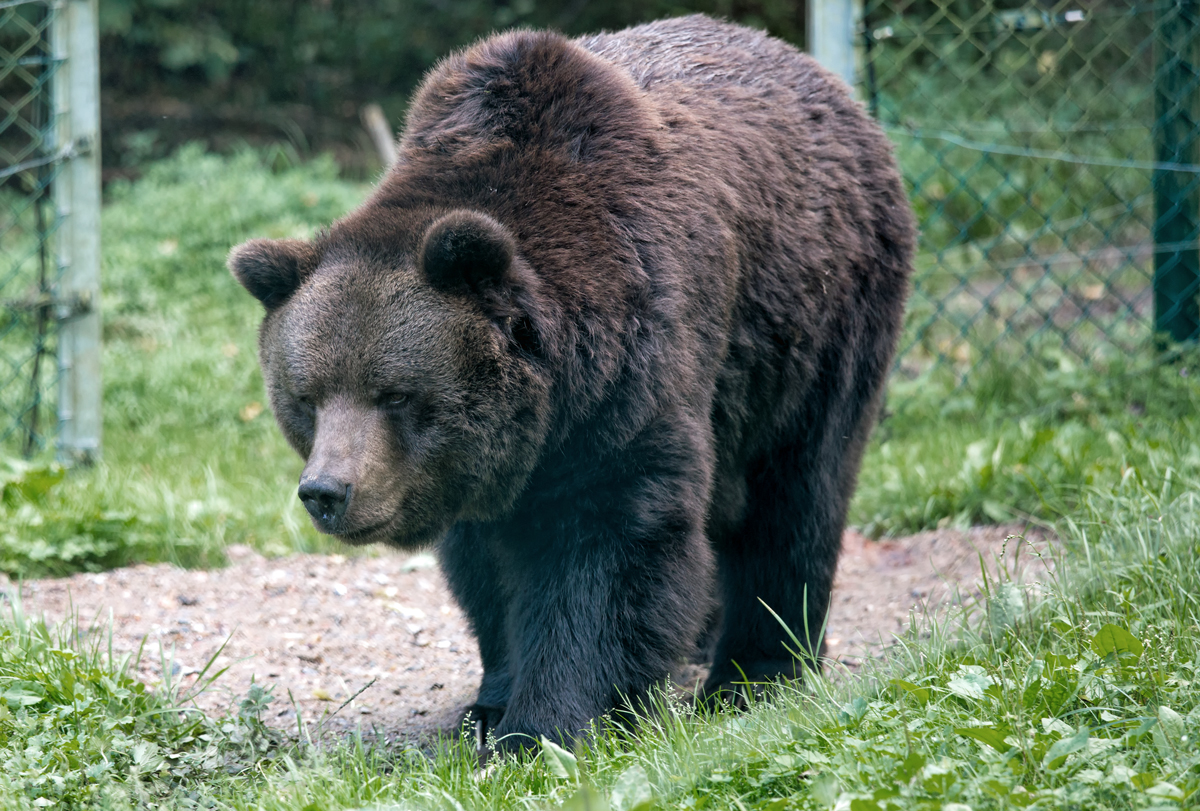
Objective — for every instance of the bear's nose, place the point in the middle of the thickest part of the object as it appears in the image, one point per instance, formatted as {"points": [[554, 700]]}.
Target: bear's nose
{"points": [[326, 500]]}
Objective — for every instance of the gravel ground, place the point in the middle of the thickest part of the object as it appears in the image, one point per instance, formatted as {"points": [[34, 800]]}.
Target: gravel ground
{"points": [[381, 635]]}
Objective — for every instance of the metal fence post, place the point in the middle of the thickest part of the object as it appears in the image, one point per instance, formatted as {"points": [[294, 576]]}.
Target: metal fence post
{"points": [[74, 39], [830, 35], [1176, 193]]}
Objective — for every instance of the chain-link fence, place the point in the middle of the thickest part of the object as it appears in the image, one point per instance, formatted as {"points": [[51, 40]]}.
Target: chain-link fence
{"points": [[49, 227], [27, 222], [1052, 155]]}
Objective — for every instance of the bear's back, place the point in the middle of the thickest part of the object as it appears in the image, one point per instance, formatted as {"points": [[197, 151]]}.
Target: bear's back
{"points": [[702, 53]]}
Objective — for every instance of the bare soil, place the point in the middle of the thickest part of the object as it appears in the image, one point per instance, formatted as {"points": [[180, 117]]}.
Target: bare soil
{"points": [[376, 641]]}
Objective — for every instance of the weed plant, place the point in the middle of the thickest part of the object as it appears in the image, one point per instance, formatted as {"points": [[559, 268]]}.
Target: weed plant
{"points": [[78, 731]]}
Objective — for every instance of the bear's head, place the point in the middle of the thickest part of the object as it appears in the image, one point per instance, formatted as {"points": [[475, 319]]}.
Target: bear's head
{"points": [[400, 352]]}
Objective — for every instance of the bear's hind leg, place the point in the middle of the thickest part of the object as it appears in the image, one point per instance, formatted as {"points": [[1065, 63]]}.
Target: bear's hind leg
{"points": [[785, 553]]}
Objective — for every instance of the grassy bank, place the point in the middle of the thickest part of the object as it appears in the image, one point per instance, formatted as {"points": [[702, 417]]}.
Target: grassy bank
{"points": [[1026, 441], [1079, 694]]}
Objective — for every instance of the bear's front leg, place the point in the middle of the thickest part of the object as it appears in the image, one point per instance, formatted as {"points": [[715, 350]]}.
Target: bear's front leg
{"points": [[471, 570], [605, 601]]}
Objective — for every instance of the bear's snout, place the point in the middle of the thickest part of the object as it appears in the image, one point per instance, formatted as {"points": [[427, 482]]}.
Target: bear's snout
{"points": [[326, 500]]}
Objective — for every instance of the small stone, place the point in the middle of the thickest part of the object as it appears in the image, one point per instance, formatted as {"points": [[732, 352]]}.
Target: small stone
{"points": [[424, 561]]}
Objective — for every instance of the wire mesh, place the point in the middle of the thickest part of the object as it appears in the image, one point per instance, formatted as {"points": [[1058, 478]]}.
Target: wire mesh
{"points": [[1051, 154], [28, 221]]}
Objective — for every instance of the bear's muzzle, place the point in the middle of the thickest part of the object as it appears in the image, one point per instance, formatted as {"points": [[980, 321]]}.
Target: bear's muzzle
{"points": [[326, 500]]}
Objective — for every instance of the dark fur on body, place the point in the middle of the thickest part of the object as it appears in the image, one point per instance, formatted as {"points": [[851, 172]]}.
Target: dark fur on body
{"points": [[613, 330]]}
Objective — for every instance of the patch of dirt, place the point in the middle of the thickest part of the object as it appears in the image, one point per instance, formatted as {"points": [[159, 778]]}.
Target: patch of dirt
{"points": [[381, 634]]}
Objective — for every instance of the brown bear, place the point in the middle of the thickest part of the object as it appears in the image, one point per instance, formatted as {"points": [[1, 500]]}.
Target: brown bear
{"points": [[611, 334]]}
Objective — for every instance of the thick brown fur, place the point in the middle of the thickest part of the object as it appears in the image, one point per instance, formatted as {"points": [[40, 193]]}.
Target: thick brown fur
{"points": [[612, 333]]}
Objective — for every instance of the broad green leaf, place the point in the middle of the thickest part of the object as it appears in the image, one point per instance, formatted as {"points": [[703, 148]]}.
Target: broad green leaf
{"points": [[995, 788], [996, 511], [993, 735], [1145, 726], [1165, 789], [1052, 725], [921, 694], [1171, 723], [559, 761], [586, 799], [1059, 751], [937, 778], [854, 711], [23, 694], [970, 682], [1114, 639], [632, 790], [1022, 799], [31, 481], [824, 789], [1005, 606], [910, 767], [1143, 780]]}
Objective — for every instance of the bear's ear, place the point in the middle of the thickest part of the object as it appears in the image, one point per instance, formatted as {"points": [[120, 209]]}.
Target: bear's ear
{"points": [[271, 269], [467, 251]]}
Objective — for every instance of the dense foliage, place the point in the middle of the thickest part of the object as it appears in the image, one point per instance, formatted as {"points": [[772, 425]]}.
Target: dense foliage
{"points": [[300, 71], [319, 51]]}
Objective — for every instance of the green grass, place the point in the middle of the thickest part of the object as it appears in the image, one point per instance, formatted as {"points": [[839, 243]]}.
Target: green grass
{"points": [[1026, 442], [192, 460], [77, 730], [1080, 696]]}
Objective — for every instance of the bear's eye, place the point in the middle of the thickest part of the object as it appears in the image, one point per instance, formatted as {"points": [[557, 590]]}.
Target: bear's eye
{"points": [[393, 399]]}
